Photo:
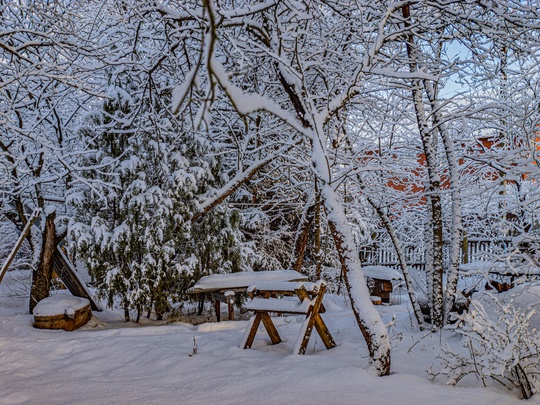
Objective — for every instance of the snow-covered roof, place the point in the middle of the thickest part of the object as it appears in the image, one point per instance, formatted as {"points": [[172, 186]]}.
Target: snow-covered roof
{"points": [[382, 273], [215, 282]]}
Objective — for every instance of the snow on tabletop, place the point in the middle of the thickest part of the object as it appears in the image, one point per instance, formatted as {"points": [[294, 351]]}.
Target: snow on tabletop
{"points": [[381, 273], [279, 305], [60, 304], [216, 282], [283, 286]]}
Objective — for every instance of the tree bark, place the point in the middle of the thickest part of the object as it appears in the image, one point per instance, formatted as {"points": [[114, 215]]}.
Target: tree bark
{"points": [[368, 319], [402, 262], [433, 182], [317, 242], [457, 225], [302, 239], [41, 276]]}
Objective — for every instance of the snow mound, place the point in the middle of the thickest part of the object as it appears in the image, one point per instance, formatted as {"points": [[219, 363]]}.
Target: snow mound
{"points": [[60, 304], [244, 279], [381, 273]]}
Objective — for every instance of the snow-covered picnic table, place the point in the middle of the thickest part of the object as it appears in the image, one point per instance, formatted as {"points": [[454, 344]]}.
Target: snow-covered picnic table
{"points": [[273, 297], [224, 286]]}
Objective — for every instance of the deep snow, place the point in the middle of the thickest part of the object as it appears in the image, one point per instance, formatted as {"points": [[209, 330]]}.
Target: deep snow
{"points": [[113, 362]]}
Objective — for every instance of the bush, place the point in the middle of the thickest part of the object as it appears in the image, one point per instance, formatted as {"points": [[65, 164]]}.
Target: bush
{"points": [[500, 345]]}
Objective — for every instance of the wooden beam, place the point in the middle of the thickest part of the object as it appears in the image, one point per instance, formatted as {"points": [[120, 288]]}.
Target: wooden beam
{"points": [[254, 322], [324, 333], [67, 273], [218, 310], [19, 242], [270, 328]]}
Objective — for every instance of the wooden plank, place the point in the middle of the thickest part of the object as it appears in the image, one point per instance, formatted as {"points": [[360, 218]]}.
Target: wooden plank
{"points": [[307, 327], [255, 321], [19, 242], [218, 310], [304, 335], [324, 333], [270, 328], [231, 311], [302, 294], [245, 338], [276, 306], [67, 273]]}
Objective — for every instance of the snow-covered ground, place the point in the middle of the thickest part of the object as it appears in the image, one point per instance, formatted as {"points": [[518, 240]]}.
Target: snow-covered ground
{"points": [[111, 362]]}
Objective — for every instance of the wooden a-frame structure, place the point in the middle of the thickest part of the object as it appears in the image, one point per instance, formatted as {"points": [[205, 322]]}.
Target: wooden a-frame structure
{"points": [[61, 264]]}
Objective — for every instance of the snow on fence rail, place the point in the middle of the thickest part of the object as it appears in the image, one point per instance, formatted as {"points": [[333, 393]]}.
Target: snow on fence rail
{"points": [[476, 250]]}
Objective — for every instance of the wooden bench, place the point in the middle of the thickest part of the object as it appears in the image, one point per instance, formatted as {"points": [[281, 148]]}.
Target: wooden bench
{"points": [[307, 299]]}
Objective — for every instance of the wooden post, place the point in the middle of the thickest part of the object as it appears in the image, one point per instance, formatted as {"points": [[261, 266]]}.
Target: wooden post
{"points": [[19, 243], [270, 328], [229, 296], [253, 325], [218, 309]]}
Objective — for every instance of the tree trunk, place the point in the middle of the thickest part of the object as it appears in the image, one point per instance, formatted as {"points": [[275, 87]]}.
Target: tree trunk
{"points": [[41, 276], [317, 242], [402, 262], [437, 300], [367, 317], [457, 226], [302, 239], [433, 205], [433, 200], [399, 253]]}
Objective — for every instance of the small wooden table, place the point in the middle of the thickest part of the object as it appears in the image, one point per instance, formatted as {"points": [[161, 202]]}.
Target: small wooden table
{"points": [[223, 287]]}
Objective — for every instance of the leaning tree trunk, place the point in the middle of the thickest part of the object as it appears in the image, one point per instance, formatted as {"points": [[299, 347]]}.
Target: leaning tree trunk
{"points": [[41, 276], [302, 237], [367, 317], [399, 253]]}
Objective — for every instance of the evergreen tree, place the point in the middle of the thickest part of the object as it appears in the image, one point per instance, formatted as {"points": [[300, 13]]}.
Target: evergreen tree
{"points": [[133, 225]]}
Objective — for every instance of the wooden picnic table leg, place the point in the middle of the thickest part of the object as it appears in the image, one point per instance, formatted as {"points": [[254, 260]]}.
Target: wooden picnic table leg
{"points": [[270, 328], [218, 310], [229, 296], [304, 335], [324, 333], [251, 330], [314, 319]]}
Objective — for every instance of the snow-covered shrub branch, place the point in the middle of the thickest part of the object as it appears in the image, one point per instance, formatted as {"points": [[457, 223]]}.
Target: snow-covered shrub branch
{"points": [[499, 344]]}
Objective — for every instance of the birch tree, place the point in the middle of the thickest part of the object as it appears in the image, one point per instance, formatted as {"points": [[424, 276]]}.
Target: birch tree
{"points": [[312, 70]]}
